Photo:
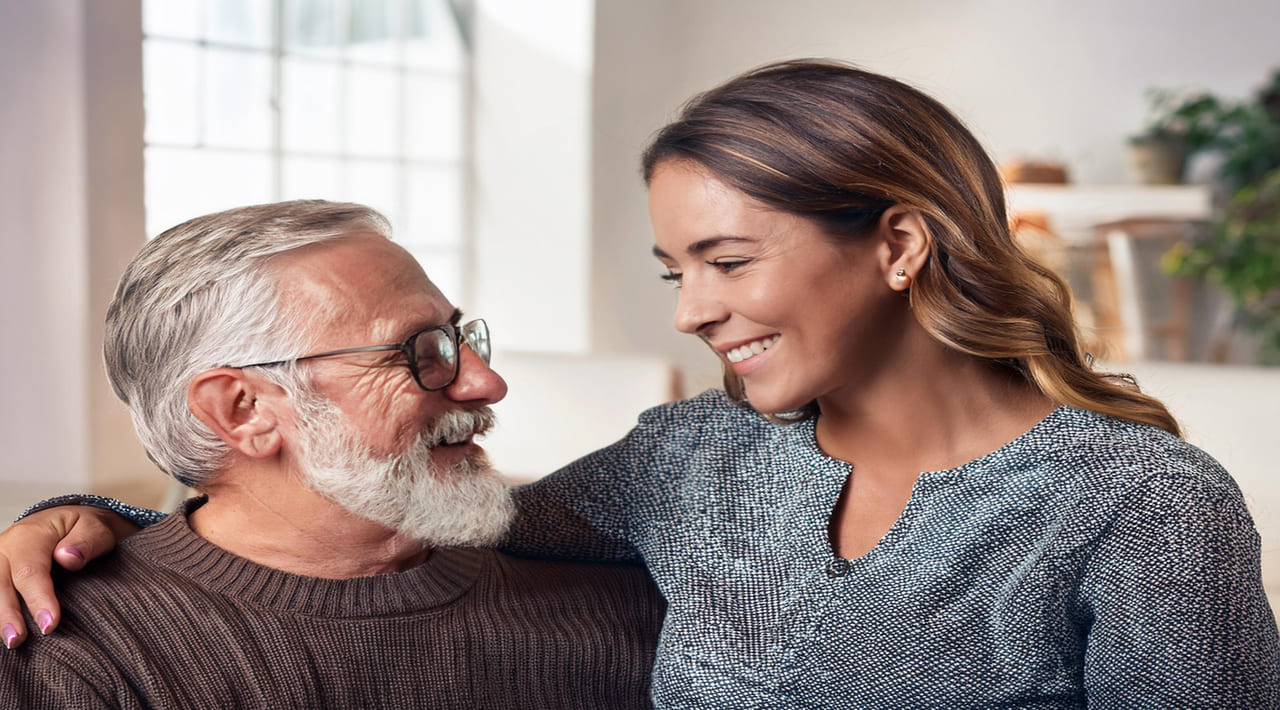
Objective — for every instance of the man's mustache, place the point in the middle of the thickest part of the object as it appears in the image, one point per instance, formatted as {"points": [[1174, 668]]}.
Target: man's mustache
{"points": [[459, 425]]}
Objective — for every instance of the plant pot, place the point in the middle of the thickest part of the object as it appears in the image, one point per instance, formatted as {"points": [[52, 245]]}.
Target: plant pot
{"points": [[1157, 160]]}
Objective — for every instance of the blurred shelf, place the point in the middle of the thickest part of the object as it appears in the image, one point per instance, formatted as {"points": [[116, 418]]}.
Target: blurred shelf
{"points": [[1074, 210]]}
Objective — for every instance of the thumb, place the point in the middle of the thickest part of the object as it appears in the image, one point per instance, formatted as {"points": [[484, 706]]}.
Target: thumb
{"points": [[93, 534], [69, 555]]}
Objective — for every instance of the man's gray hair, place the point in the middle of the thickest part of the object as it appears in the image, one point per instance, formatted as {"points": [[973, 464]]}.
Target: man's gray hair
{"points": [[203, 295]]}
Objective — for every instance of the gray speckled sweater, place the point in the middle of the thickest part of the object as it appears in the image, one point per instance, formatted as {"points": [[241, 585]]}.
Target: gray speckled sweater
{"points": [[1091, 562]]}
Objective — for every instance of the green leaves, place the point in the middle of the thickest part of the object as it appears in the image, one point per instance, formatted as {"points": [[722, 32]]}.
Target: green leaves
{"points": [[1242, 256]]}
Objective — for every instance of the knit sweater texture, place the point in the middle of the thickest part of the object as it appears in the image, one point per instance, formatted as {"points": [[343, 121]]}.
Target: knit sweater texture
{"points": [[1091, 562], [171, 621]]}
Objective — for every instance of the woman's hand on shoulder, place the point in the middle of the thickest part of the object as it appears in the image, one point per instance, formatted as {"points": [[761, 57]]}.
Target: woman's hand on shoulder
{"points": [[70, 534]]}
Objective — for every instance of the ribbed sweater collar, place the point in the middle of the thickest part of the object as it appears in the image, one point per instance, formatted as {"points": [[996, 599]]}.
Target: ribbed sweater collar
{"points": [[172, 544]]}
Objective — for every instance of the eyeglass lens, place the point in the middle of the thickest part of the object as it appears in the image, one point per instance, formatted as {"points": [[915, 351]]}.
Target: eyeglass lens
{"points": [[437, 353], [477, 334]]}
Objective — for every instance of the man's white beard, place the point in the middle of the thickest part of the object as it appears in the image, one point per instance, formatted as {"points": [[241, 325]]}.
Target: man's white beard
{"points": [[465, 504]]}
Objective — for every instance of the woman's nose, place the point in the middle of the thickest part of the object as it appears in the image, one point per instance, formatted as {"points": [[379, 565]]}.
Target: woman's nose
{"points": [[696, 310]]}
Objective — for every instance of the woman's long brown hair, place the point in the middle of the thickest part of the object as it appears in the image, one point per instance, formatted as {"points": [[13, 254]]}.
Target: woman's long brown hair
{"points": [[838, 145]]}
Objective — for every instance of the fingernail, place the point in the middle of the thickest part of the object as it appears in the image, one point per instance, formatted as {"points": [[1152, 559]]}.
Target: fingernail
{"points": [[73, 552], [10, 635], [44, 619]]}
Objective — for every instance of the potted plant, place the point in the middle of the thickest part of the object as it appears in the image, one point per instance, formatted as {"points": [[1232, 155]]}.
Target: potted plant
{"points": [[1180, 125], [1241, 250]]}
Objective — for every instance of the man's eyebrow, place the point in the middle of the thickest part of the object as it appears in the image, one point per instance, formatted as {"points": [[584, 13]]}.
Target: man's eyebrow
{"points": [[702, 245], [454, 319]]}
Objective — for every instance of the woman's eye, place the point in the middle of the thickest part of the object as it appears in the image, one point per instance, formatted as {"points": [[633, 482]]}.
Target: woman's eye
{"points": [[727, 265], [672, 278]]}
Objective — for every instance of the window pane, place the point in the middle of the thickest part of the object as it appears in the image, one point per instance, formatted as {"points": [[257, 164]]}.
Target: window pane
{"points": [[431, 37], [372, 106], [373, 31], [184, 183], [172, 18], [434, 117], [374, 183], [245, 22], [310, 106], [444, 268], [171, 92], [238, 99], [433, 208], [314, 27], [311, 179]]}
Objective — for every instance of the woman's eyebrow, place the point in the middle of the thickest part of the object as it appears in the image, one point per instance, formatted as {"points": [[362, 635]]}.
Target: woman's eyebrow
{"points": [[701, 245]]}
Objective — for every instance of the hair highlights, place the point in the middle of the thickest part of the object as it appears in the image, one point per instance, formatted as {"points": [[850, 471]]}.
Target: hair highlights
{"points": [[838, 145]]}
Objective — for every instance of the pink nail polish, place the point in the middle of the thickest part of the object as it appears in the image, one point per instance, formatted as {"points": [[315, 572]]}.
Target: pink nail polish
{"points": [[10, 635], [73, 552], [44, 619]]}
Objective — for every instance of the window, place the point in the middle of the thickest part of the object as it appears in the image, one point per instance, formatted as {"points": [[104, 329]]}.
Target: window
{"points": [[252, 101]]}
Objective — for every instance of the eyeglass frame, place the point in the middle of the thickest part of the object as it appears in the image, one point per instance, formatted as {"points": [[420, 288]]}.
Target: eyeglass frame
{"points": [[456, 335]]}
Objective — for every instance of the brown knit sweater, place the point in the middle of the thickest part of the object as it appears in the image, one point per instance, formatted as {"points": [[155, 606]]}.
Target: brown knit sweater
{"points": [[171, 621]]}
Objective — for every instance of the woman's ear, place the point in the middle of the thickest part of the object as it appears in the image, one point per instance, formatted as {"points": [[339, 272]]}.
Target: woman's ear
{"points": [[238, 408], [907, 241]]}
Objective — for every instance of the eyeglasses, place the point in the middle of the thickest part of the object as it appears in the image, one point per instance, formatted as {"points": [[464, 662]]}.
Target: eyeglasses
{"points": [[433, 353]]}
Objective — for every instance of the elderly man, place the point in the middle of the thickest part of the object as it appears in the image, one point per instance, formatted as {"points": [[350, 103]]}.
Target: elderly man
{"points": [[301, 371]]}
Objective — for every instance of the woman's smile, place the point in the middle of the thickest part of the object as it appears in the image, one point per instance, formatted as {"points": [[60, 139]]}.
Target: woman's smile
{"points": [[744, 352], [795, 312]]}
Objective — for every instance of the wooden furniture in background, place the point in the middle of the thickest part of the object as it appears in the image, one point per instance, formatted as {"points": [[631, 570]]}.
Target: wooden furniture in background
{"points": [[1109, 242]]}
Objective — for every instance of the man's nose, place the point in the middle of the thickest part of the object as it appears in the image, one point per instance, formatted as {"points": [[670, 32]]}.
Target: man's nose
{"points": [[476, 383]]}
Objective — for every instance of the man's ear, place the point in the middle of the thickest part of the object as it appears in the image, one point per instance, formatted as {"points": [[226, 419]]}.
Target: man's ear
{"points": [[240, 409], [907, 243]]}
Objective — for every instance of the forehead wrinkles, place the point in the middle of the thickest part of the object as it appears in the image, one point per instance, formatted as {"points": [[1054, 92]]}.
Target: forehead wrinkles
{"points": [[363, 289]]}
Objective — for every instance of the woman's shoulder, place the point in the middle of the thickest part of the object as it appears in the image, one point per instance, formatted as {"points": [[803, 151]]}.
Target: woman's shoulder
{"points": [[1121, 455], [710, 402], [710, 411]]}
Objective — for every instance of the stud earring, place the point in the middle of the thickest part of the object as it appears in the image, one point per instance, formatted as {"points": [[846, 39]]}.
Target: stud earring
{"points": [[902, 273]]}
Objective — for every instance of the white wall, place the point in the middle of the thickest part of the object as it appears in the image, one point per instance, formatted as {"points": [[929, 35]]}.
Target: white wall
{"points": [[43, 277], [639, 70], [70, 197], [1064, 81], [531, 189], [115, 228]]}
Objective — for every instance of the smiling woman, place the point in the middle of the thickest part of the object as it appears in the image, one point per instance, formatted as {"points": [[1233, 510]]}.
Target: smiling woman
{"points": [[762, 286], [916, 489], [832, 150]]}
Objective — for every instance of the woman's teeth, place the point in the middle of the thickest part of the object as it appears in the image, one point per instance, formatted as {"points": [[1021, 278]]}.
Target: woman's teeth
{"points": [[743, 352]]}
